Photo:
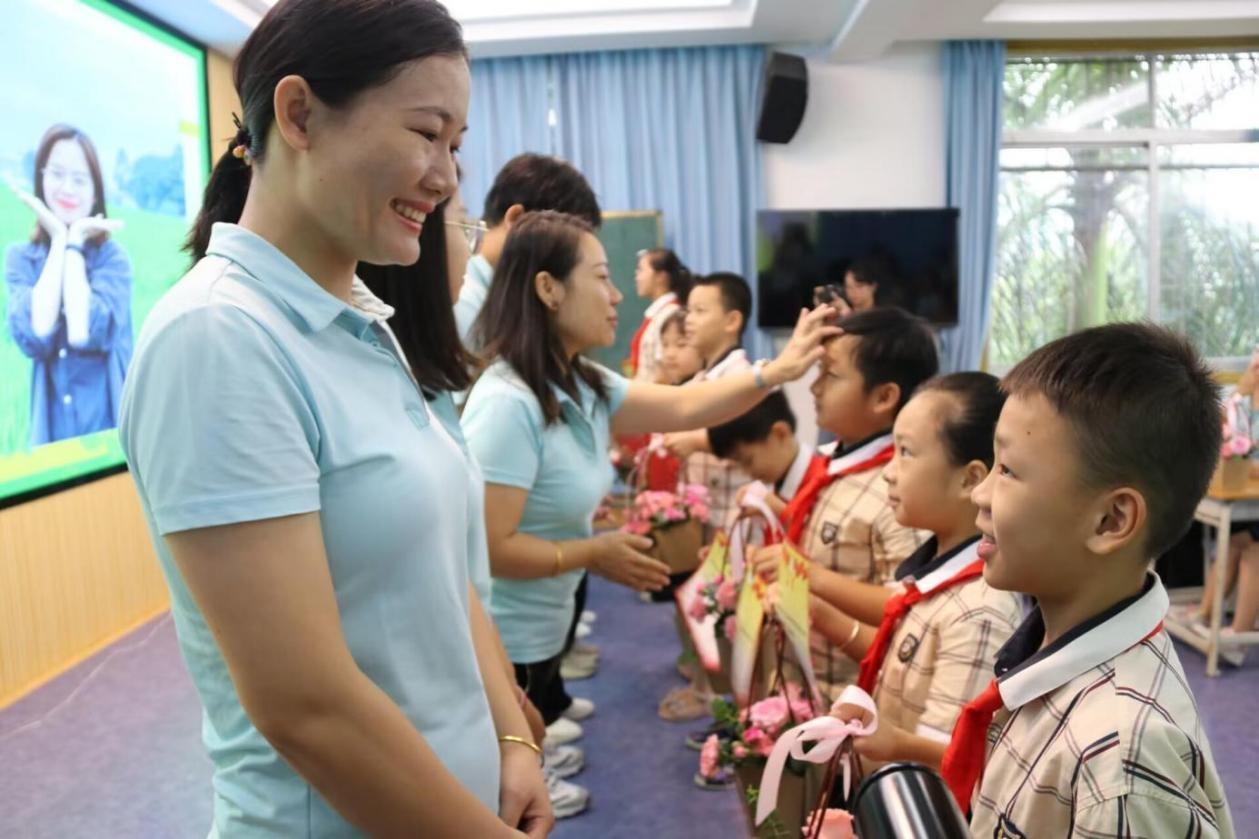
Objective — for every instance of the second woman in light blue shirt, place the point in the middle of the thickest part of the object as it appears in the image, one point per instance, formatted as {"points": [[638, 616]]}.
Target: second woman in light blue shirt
{"points": [[539, 420]]}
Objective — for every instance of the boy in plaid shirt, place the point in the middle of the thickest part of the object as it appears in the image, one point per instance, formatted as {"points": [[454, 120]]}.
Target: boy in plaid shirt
{"points": [[717, 312], [1106, 442], [840, 518], [942, 624]]}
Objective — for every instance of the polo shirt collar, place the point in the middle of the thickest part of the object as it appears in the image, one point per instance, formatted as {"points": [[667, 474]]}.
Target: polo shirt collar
{"points": [[659, 304], [850, 456], [929, 571], [790, 484], [277, 274], [1025, 672]]}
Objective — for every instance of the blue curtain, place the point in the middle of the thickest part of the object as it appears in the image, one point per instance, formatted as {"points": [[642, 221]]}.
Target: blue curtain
{"points": [[509, 114], [665, 129], [974, 72], [672, 130]]}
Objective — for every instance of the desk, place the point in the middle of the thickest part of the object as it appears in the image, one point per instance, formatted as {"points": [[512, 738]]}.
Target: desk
{"points": [[1218, 510]]}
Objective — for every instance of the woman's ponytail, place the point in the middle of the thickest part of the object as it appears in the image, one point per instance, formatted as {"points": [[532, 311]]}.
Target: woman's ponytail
{"points": [[224, 199]]}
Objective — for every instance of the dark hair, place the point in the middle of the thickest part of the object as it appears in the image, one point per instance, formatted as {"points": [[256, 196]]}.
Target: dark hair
{"points": [[752, 427], [677, 320], [424, 317], [875, 268], [895, 347], [516, 326], [666, 261], [540, 182], [1144, 412], [52, 137], [340, 49], [970, 421], [736, 295]]}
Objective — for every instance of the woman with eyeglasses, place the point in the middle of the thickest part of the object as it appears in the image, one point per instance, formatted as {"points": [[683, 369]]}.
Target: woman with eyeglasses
{"points": [[70, 293]]}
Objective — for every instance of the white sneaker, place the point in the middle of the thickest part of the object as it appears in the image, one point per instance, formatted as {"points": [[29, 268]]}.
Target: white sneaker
{"points": [[583, 631], [561, 732], [564, 761], [589, 616], [576, 668], [582, 649], [567, 799], [579, 710]]}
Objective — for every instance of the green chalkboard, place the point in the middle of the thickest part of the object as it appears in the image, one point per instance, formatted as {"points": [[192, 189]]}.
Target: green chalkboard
{"points": [[624, 234]]}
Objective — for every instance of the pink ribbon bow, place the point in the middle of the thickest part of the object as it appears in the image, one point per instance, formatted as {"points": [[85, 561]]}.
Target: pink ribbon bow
{"points": [[827, 733]]}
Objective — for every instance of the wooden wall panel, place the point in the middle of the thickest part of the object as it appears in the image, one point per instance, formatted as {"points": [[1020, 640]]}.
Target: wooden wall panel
{"points": [[77, 571]]}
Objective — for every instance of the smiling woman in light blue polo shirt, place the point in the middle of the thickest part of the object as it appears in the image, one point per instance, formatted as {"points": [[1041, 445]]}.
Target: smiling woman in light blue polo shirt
{"points": [[539, 421], [313, 504]]}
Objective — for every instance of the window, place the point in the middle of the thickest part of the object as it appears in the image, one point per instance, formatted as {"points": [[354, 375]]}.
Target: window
{"points": [[1129, 189]]}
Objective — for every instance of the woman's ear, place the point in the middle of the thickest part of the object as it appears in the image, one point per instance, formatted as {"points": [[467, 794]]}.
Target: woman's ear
{"points": [[549, 290], [293, 101]]}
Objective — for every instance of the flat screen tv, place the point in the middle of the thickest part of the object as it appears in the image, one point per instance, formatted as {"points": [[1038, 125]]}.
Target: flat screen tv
{"points": [[913, 252], [104, 116]]}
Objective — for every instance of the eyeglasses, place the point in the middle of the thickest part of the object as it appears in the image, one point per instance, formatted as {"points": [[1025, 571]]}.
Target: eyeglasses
{"points": [[78, 180], [473, 232]]}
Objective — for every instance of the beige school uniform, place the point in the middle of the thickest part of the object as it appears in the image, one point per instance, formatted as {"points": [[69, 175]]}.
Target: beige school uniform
{"points": [[852, 530], [945, 647], [722, 478], [1100, 735]]}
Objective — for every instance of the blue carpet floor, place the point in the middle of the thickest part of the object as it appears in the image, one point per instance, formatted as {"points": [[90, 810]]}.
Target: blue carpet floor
{"points": [[112, 748]]}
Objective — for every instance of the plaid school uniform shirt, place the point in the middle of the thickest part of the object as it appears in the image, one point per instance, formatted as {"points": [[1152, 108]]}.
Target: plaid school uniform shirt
{"points": [[1099, 734], [944, 649], [721, 477], [650, 346], [853, 530]]}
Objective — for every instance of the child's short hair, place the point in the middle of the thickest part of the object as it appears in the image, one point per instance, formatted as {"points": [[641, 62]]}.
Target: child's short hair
{"points": [[1144, 412], [752, 427], [677, 320], [968, 426], [895, 347], [736, 294]]}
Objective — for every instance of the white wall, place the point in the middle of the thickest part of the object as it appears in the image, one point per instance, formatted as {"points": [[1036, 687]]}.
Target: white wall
{"points": [[872, 136]]}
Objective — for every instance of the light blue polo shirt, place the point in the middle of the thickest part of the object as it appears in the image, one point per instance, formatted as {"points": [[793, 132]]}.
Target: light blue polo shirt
{"points": [[255, 394], [472, 296], [565, 468]]}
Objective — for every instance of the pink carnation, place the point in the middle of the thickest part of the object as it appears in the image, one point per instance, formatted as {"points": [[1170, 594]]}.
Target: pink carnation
{"points": [[836, 824], [701, 512], [739, 751], [758, 741], [731, 629], [727, 595], [768, 713], [708, 757], [698, 609]]}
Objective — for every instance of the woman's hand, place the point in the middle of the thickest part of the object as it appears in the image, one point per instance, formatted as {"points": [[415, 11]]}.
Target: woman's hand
{"points": [[805, 347], [47, 220], [81, 230], [619, 558], [523, 801]]}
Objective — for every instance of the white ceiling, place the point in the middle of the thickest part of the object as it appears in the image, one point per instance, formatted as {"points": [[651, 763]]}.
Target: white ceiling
{"points": [[844, 30]]}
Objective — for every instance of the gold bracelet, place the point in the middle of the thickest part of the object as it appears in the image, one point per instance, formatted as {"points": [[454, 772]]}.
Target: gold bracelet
{"points": [[856, 628], [511, 738], [559, 559]]}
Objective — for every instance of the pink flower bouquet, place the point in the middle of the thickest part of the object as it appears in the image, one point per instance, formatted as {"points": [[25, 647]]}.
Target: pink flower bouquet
{"points": [[719, 598], [674, 521]]}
